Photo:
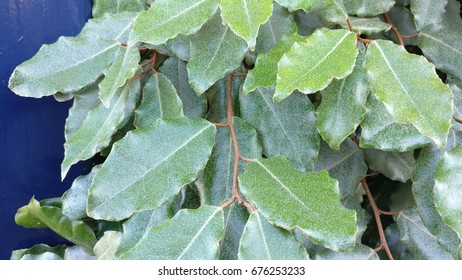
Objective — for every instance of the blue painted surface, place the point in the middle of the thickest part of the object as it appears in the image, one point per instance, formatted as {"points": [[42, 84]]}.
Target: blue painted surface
{"points": [[32, 130]]}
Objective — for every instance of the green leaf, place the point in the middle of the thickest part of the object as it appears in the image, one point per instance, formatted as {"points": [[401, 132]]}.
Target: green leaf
{"points": [[263, 241], [367, 8], [172, 240], [448, 189], [123, 68], [403, 20], [175, 70], [360, 252], [150, 176], [39, 251], [427, 12], [443, 48], [280, 23], [423, 190], [451, 17], [292, 135], [367, 26], [215, 51], [264, 73], [110, 27], [73, 230], [380, 130], [236, 217], [293, 5], [166, 19], [413, 97], [419, 241], [159, 101], [99, 125], [310, 203], [397, 166], [100, 7], [139, 225], [107, 245], [78, 253], [75, 198], [331, 11], [216, 180], [63, 72], [343, 105], [347, 165], [25, 218], [313, 72], [244, 17]]}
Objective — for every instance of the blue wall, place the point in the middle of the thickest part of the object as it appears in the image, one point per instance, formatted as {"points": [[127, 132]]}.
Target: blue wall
{"points": [[32, 130]]}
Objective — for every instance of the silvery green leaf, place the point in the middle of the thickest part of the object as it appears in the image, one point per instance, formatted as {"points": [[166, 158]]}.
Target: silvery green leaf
{"points": [[397, 166], [451, 17], [236, 217], [264, 241], [100, 7], [360, 252], [427, 12], [138, 177], [367, 8], [38, 251], [77, 252], [106, 246], [172, 240], [286, 128], [367, 26]]}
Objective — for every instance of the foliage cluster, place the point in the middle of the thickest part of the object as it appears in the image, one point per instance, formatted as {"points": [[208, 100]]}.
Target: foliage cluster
{"points": [[256, 129]]}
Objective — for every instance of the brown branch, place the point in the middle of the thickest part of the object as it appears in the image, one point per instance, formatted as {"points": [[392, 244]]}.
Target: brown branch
{"points": [[358, 35], [410, 36], [394, 29], [236, 196], [377, 213], [151, 62], [457, 119]]}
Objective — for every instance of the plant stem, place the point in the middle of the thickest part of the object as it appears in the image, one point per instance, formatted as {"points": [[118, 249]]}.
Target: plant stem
{"points": [[394, 29]]}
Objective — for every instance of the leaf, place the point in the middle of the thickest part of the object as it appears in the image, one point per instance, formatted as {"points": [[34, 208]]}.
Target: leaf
{"points": [[110, 27], [107, 245], [418, 97], [380, 130], [397, 166], [244, 17], [280, 23], [423, 191], [73, 230], [293, 5], [175, 70], [263, 241], [150, 176], [360, 252], [331, 11], [443, 48], [310, 73], [38, 251], [427, 12], [63, 72], [264, 73], [215, 51], [216, 180], [100, 7], [236, 217], [343, 105], [166, 19], [173, 241], [179, 46], [451, 17], [78, 253], [347, 165], [75, 198], [139, 225], [367, 26], [310, 203], [448, 189], [403, 20], [159, 101], [292, 135], [123, 68], [367, 8], [99, 125], [418, 240]]}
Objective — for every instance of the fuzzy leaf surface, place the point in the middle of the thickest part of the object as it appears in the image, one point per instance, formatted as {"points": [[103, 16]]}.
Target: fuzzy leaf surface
{"points": [[360, 252], [313, 72], [264, 241], [410, 89], [99, 125], [215, 52], [286, 128], [245, 17], [168, 18], [301, 203], [172, 240], [397, 166], [367, 26], [100, 7], [149, 166], [160, 100], [427, 12], [367, 8], [343, 105]]}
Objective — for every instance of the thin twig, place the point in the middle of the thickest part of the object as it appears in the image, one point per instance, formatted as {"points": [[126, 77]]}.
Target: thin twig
{"points": [[394, 29], [457, 119], [410, 36], [377, 212]]}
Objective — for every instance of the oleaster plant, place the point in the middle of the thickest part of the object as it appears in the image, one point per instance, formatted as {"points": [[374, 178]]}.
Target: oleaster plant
{"points": [[256, 129]]}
